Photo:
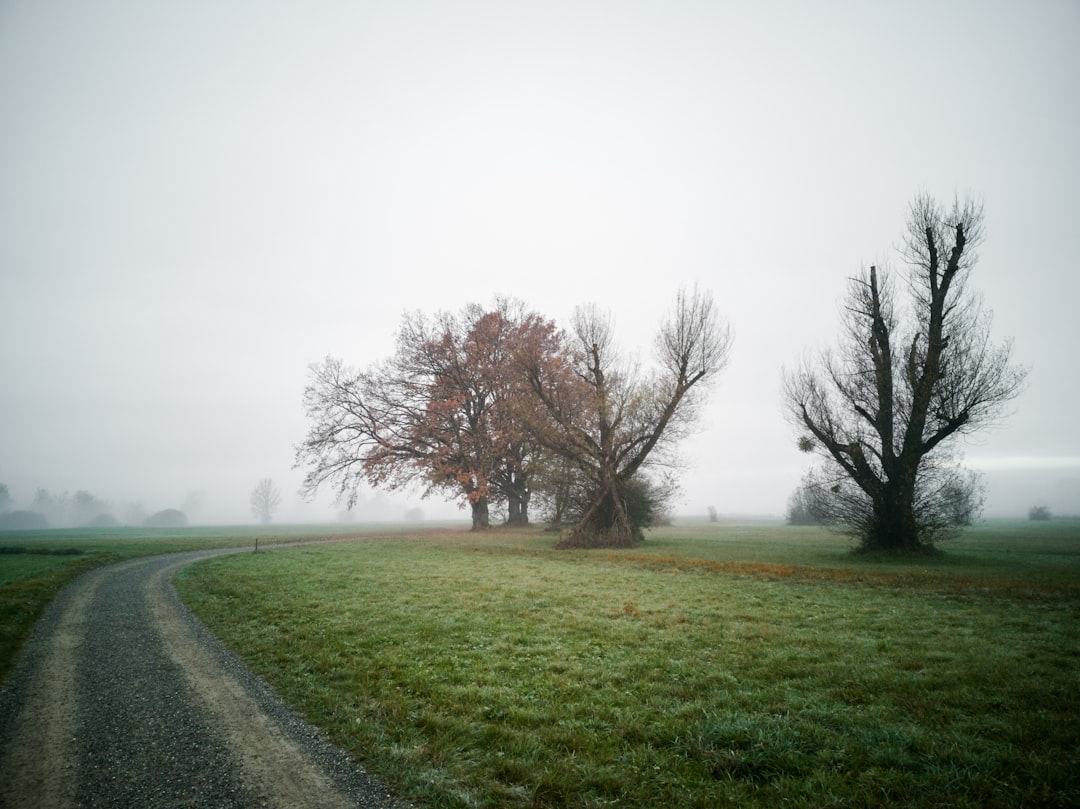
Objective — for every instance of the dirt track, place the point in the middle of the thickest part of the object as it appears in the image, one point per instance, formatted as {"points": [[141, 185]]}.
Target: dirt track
{"points": [[122, 699]]}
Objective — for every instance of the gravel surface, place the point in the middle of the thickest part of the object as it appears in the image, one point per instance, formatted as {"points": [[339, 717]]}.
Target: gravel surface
{"points": [[123, 699]]}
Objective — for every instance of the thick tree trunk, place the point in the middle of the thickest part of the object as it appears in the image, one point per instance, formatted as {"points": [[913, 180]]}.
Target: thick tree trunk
{"points": [[480, 518], [605, 524], [895, 526], [517, 508]]}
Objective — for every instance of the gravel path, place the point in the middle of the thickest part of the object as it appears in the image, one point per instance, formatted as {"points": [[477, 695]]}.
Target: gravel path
{"points": [[123, 699]]}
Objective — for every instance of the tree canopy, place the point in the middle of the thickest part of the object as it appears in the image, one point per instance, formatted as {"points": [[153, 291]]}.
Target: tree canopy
{"points": [[438, 414]]}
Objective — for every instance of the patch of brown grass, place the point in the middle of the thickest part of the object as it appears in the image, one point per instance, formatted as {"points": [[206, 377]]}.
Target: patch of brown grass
{"points": [[944, 583]]}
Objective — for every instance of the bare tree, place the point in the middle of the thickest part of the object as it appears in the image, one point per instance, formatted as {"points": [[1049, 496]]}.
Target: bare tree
{"points": [[265, 499], [610, 422], [885, 410]]}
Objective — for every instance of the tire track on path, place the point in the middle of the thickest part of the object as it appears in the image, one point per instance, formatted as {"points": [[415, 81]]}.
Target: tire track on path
{"points": [[39, 762], [122, 699]]}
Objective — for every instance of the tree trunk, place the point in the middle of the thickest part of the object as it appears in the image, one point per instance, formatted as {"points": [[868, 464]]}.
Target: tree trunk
{"points": [[605, 524], [480, 519], [517, 506], [895, 526]]}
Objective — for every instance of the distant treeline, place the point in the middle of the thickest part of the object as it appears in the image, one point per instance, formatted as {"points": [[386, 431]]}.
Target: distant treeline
{"points": [[81, 510]]}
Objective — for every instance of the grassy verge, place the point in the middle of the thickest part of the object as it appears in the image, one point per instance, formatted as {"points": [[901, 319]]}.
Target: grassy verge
{"points": [[717, 665]]}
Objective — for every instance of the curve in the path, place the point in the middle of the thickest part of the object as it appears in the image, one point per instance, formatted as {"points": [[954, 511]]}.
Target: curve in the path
{"points": [[122, 699]]}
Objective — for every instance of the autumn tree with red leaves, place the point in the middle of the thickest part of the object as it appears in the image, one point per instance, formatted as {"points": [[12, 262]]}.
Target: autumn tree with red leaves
{"points": [[438, 414]]}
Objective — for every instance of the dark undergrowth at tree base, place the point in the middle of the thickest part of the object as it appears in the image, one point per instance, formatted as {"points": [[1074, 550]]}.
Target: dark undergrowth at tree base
{"points": [[916, 552], [584, 540]]}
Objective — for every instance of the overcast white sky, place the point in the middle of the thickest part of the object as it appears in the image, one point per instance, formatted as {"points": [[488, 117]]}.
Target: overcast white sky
{"points": [[198, 199]]}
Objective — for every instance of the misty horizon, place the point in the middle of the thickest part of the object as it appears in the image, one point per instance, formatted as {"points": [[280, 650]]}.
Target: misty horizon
{"points": [[200, 201]]}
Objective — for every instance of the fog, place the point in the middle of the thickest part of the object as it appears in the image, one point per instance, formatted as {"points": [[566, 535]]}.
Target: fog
{"points": [[199, 199]]}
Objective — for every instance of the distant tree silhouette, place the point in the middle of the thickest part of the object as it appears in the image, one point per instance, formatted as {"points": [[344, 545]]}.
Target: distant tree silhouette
{"points": [[1039, 513], [265, 499], [85, 507]]}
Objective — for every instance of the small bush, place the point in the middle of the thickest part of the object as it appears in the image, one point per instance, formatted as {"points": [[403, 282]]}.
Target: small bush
{"points": [[808, 504], [169, 518], [1039, 513]]}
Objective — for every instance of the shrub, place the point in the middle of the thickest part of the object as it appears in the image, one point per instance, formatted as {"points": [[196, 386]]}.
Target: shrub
{"points": [[808, 504], [169, 518], [1039, 513]]}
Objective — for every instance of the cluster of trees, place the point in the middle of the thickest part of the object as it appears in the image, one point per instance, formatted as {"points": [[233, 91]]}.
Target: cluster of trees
{"points": [[45, 510], [501, 409], [85, 510], [80, 510]]}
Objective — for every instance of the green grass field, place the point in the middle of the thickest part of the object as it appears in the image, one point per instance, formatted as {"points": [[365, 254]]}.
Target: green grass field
{"points": [[35, 565], [716, 665]]}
